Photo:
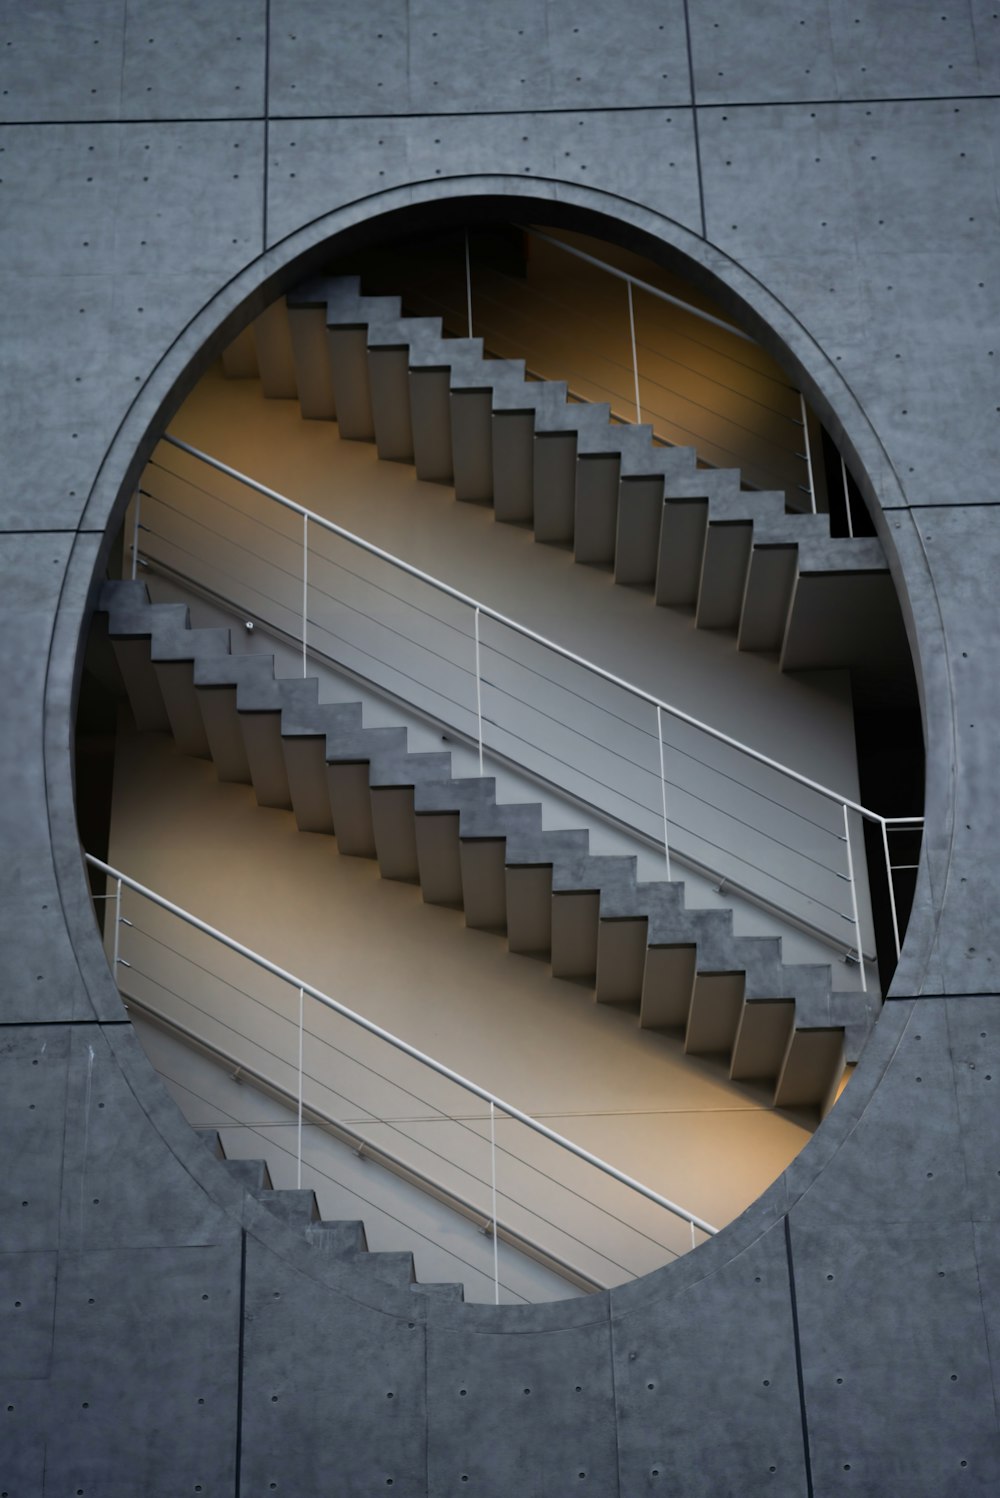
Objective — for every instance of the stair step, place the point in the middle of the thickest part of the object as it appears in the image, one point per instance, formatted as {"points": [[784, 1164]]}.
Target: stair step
{"points": [[265, 757], [540, 459], [621, 960], [275, 357], [212, 1140], [634, 943], [714, 1015], [484, 882], [441, 1291], [813, 1063], [311, 359], [529, 909], [339, 1237], [389, 381], [253, 1175], [439, 862], [180, 700], [574, 933], [667, 987], [351, 805], [472, 444], [761, 1040], [292, 1206]]}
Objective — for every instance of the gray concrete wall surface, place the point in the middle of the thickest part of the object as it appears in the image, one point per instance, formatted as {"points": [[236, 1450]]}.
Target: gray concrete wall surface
{"points": [[830, 169]]}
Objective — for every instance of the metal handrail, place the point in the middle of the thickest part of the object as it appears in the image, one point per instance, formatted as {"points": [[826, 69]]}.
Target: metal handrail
{"points": [[377, 1152], [522, 629], [399, 1044], [623, 275]]}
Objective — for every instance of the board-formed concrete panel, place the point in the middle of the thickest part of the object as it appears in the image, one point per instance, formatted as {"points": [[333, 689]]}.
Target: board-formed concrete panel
{"points": [[530, 1412], [144, 1390], [706, 1386], [61, 62], [843, 49], [902, 194], [211, 66], [34, 1063], [316, 1360], [391, 58], [317, 164], [41, 969], [894, 206]]}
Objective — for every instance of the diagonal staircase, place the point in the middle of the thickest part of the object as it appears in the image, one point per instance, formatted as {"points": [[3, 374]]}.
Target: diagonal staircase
{"points": [[693, 538], [343, 1241], [634, 943]]}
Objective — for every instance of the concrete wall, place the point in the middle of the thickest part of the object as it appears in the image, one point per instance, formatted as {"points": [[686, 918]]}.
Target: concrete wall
{"points": [[833, 172], [741, 822]]}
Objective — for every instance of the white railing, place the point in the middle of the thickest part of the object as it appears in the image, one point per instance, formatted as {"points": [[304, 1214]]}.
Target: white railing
{"points": [[652, 355], [549, 1202], [721, 806]]}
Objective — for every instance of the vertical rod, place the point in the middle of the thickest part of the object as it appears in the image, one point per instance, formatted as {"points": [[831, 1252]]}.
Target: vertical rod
{"points": [[118, 927], [305, 585], [635, 356], [298, 1145], [135, 530], [663, 789], [854, 902], [809, 460], [493, 1179], [479, 692], [694, 1241], [847, 498], [892, 891], [468, 281]]}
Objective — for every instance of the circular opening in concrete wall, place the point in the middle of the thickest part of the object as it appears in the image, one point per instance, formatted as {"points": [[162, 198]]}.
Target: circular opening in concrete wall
{"points": [[497, 647]]}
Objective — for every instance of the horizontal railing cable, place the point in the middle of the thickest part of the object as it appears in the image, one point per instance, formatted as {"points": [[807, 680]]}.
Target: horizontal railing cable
{"points": [[655, 291], [604, 324], [490, 613], [405, 1171], [399, 1044], [518, 765], [435, 1115]]}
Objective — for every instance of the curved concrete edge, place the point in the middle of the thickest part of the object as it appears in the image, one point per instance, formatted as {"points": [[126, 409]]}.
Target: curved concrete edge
{"points": [[221, 317]]}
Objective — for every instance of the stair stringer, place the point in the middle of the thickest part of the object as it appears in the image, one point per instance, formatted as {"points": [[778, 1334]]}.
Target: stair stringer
{"points": [[405, 788], [342, 1242], [694, 537]]}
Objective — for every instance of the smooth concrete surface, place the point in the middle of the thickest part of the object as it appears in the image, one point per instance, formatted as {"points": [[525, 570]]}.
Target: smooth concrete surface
{"points": [[739, 821], [631, 1097], [886, 1275]]}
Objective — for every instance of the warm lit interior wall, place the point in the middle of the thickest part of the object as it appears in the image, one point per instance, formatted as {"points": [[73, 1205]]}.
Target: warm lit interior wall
{"points": [[771, 836], [700, 385], [588, 1071]]}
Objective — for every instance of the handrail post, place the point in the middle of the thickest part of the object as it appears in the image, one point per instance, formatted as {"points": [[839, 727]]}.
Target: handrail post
{"points": [[116, 948], [809, 461], [305, 586], [137, 506], [854, 901], [511, 1110], [479, 690], [663, 790], [468, 281], [892, 890], [635, 355], [847, 496], [298, 1142], [493, 1204]]}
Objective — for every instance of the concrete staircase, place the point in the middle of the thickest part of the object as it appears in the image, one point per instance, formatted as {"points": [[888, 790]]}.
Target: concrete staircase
{"points": [[692, 538], [343, 1241], [633, 944]]}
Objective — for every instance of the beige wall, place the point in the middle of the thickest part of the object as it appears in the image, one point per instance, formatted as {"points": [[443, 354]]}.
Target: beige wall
{"points": [[629, 1095]]}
